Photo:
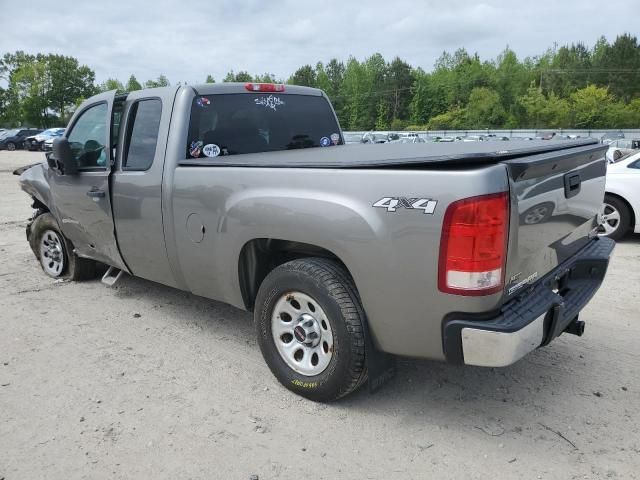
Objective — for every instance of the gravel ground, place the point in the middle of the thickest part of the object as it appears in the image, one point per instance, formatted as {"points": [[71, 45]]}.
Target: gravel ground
{"points": [[143, 381]]}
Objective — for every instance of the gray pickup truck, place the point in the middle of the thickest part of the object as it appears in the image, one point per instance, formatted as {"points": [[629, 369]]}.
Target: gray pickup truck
{"points": [[347, 255]]}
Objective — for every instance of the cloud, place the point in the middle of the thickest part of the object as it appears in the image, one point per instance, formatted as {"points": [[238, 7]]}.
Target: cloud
{"points": [[193, 38]]}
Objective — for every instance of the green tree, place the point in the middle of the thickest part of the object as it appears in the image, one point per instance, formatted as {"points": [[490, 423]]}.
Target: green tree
{"points": [[592, 107], [454, 119], [70, 83], [241, 76], [398, 82], [542, 111], [161, 81], [620, 65], [484, 109], [305, 76], [427, 100], [210, 79], [111, 84], [265, 78], [31, 83], [382, 120], [133, 84]]}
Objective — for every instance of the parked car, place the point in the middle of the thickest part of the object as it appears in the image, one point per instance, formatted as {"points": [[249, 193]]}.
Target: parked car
{"points": [[352, 138], [225, 190], [607, 138], [473, 138], [35, 142], [496, 138], [371, 137], [47, 145], [546, 136], [621, 212], [14, 139], [409, 140], [621, 147]]}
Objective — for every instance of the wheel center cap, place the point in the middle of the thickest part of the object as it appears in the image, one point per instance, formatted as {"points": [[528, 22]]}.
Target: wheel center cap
{"points": [[307, 331], [300, 334]]}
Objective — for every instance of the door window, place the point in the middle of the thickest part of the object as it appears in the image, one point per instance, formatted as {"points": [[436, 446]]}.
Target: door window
{"points": [[88, 136], [142, 134]]}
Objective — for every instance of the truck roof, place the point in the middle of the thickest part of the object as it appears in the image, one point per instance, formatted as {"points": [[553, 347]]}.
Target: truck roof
{"points": [[233, 87]]}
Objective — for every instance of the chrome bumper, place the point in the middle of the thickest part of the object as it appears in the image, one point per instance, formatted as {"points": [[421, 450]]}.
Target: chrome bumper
{"points": [[532, 319], [486, 348]]}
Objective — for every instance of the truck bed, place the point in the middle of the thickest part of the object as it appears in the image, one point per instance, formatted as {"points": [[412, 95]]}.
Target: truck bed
{"points": [[396, 155]]}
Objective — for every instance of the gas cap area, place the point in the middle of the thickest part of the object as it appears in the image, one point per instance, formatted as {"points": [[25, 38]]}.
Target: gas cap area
{"points": [[195, 228]]}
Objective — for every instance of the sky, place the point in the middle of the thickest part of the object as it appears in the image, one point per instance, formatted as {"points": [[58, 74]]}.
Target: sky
{"points": [[190, 39]]}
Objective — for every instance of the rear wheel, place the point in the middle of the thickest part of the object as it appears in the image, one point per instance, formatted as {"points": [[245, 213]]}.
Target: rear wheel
{"points": [[11, 146], [55, 252], [310, 328], [616, 218]]}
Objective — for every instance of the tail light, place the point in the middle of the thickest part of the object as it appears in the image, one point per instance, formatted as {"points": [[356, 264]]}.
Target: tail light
{"points": [[473, 246], [264, 87]]}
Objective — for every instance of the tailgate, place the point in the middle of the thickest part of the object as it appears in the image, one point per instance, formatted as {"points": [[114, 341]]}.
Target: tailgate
{"points": [[556, 198]]}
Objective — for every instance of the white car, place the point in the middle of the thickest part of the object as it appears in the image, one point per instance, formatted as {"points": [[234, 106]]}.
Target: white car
{"points": [[622, 198]]}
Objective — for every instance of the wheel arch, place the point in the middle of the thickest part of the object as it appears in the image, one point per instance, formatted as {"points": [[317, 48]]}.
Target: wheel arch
{"points": [[259, 256]]}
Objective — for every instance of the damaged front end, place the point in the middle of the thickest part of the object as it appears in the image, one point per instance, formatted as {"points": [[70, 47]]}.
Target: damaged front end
{"points": [[33, 181]]}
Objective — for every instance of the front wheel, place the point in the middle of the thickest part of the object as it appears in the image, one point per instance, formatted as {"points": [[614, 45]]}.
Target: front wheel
{"points": [[310, 328], [616, 218], [55, 252]]}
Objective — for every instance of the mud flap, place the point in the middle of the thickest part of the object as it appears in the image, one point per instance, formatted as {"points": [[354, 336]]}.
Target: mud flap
{"points": [[381, 366]]}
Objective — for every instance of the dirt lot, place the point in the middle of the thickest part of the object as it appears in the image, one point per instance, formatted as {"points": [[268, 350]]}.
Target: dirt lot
{"points": [[143, 381]]}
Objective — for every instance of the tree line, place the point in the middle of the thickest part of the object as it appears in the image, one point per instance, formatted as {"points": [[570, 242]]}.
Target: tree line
{"points": [[573, 86]]}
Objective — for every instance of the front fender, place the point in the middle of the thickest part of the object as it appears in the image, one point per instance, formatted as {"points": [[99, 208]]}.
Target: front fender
{"points": [[33, 181]]}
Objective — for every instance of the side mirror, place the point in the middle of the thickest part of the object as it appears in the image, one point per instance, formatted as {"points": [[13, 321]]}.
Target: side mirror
{"points": [[62, 157]]}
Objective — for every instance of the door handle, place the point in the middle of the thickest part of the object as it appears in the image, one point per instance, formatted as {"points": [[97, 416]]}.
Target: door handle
{"points": [[95, 193], [572, 184]]}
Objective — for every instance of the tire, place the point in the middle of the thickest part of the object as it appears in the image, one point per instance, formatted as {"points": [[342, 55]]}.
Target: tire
{"points": [[11, 146], [55, 252], [537, 214], [615, 209], [330, 308]]}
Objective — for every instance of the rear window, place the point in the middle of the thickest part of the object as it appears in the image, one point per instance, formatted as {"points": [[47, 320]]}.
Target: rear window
{"points": [[233, 124]]}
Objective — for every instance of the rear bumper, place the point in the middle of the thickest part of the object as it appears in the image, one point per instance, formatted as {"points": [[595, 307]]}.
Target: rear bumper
{"points": [[533, 318]]}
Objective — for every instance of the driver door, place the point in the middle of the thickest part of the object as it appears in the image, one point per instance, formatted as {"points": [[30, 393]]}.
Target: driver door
{"points": [[82, 201]]}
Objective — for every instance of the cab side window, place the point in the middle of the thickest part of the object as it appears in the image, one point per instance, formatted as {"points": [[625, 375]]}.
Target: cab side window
{"points": [[142, 134], [88, 136]]}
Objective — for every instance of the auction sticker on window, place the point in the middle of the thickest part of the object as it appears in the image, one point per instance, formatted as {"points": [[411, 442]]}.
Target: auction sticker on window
{"points": [[211, 150]]}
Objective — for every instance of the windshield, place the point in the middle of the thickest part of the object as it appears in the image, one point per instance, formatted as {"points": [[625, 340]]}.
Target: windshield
{"points": [[9, 133], [52, 132], [626, 157], [232, 124]]}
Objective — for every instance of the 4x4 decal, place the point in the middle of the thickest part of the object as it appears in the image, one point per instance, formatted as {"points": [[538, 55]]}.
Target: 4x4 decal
{"points": [[427, 205]]}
